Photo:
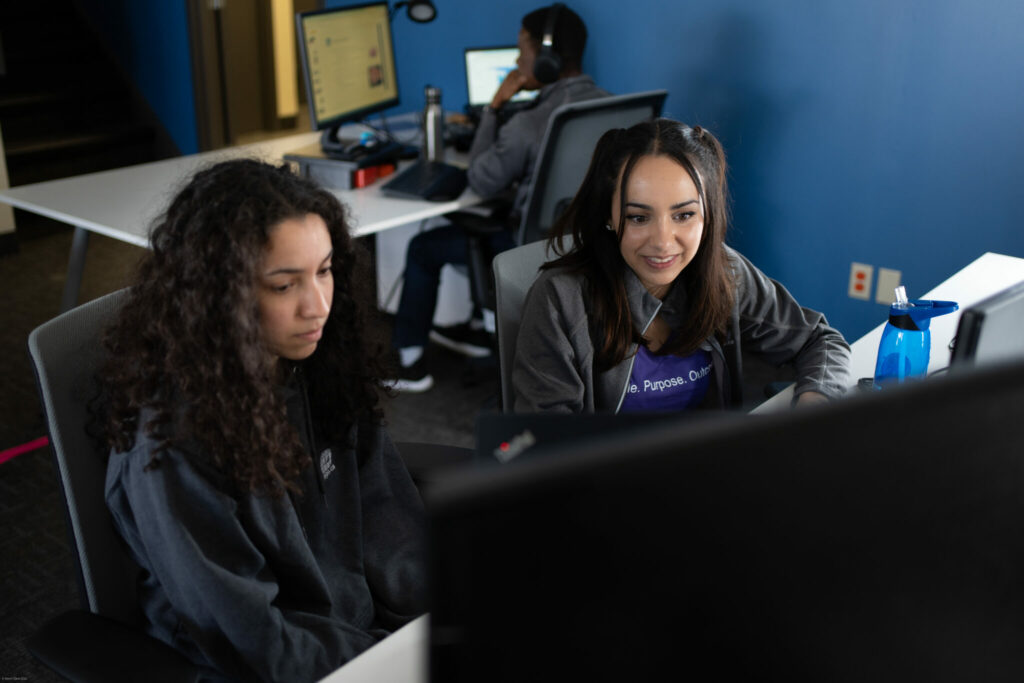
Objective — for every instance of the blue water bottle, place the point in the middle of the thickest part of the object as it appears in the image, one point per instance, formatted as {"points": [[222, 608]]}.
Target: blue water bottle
{"points": [[907, 340]]}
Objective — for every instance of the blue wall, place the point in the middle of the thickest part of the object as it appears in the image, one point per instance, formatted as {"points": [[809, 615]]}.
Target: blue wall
{"points": [[883, 131], [150, 41]]}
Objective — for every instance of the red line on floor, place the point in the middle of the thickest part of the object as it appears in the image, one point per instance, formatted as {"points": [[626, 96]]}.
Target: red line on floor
{"points": [[32, 445]]}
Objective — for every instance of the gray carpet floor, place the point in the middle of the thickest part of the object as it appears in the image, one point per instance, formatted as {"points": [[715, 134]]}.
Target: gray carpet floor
{"points": [[36, 573]]}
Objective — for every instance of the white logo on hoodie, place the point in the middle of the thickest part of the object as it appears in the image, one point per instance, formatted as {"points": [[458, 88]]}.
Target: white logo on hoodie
{"points": [[326, 463]]}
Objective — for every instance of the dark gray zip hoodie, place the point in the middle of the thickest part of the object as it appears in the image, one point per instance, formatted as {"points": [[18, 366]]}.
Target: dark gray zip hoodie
{"points": [[263, 589], [553, 369]]}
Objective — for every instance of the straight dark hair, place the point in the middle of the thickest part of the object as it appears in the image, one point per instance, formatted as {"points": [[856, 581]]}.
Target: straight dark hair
{"points": [[586, 246]]}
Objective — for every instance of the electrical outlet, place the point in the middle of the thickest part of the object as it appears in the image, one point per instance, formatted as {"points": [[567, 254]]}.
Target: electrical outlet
{"points": [[888, 281], [860, 280]]}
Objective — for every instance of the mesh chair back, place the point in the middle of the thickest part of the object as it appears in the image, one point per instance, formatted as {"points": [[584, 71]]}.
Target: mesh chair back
{"points": [[572, 133], [514, 273], [66, 352]]}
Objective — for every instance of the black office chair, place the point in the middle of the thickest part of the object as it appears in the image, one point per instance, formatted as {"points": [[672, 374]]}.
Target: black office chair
{"points": [[104, 641], [572, 133]]}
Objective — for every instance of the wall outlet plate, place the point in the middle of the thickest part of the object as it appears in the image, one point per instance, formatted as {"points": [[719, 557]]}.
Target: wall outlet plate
{"points": [[861, 275], [888, 281]]}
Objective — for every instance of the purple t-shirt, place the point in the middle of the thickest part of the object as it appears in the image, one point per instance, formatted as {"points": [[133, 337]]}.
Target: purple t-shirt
{"points": [[661, 383]]}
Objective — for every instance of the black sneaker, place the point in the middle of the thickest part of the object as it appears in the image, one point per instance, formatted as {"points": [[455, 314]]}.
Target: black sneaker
{"points": [[465, 339], [413, 379]]}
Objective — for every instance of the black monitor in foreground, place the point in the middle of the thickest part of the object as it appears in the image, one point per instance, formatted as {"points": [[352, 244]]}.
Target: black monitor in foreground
{"points": [[991, 330], [876, 539], [348, 61]]}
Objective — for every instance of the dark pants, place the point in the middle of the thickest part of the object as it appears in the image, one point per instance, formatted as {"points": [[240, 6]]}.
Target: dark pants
{"points": [[426, 255]]}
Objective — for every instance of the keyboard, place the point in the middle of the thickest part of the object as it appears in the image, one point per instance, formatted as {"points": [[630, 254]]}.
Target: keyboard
{"points": [[459, 136], [435, 181]]}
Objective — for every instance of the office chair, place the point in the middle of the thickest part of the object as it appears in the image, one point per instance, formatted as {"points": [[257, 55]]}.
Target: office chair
{"points": [[514, 273], [565, 149], [572, 133], [105, 641]]}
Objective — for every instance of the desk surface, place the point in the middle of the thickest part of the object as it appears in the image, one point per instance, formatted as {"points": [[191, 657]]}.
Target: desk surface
{"points": [[986, 275], [401, 657], [123, 202]]}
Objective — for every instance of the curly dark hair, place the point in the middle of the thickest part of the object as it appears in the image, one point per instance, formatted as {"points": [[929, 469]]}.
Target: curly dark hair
{"points": [[187, 347]]}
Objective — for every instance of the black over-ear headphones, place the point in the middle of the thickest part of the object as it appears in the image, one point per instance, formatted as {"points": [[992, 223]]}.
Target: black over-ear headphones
{"points": [[547, 65]]}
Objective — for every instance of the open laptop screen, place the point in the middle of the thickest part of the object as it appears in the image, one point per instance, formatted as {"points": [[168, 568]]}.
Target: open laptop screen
{"points": [[486, 68], [991, 330]]}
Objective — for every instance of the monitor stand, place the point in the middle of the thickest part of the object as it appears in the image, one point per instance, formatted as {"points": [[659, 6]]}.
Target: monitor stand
{"points": [[336, 147]]}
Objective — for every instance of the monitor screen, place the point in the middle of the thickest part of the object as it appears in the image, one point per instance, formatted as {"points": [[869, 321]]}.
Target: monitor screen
{"points": [[879, 538], [486, 68], [991, 330], [348, 61]]}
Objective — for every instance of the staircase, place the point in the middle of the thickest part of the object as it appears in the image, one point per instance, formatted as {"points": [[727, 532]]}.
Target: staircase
{"points": [[64, 107]]}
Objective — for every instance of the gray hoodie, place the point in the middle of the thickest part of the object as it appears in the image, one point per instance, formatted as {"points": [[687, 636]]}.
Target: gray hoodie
{"points": [[501, 157], [553, 369]]}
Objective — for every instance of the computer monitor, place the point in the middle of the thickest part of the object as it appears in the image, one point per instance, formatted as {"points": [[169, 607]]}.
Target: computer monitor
{"points": [[486, 68], [880, 538], [991, 330], [348, 61]]}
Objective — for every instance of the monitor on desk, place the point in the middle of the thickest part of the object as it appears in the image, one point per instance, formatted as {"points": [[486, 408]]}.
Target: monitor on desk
{"points": [[878, 538], [486, 68], [348, 61], [991, 330]]}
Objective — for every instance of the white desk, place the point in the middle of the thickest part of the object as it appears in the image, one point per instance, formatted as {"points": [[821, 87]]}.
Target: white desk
{"points": [[983, 277], [399, 658], [122, 203]]}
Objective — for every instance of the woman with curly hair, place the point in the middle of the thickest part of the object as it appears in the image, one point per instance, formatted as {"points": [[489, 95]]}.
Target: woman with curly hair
{"points": [[278, 532], [646, 307]]}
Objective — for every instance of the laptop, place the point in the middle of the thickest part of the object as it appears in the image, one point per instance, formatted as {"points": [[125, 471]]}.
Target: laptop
{"points": [[486, 68], [504, 437]]}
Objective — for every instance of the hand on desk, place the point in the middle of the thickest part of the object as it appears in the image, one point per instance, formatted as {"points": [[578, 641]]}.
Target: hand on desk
{"points": [[809, 398]]}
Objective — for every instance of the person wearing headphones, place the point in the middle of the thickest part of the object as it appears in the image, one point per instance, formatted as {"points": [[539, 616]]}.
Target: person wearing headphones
{"points": [[501, 160]]}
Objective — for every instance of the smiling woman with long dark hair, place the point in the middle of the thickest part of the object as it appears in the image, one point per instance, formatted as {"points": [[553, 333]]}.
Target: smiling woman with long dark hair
{"points": [[278, 532], [646, 307]]}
